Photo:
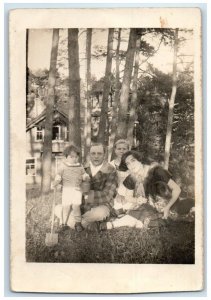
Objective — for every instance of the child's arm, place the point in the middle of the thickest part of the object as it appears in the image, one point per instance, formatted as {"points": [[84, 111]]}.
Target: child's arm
{"points": [[138, 200], [85, 177], [58, 178], [176, 190], [85, 185], [56, 181]]}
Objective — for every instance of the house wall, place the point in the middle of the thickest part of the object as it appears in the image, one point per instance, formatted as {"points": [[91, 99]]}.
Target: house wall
{"points": [[34, 149]]}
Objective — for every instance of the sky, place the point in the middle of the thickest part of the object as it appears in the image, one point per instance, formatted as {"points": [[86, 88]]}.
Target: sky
{"points": [[40, 48]]}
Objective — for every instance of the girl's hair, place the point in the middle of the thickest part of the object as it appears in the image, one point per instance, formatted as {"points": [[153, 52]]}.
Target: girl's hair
{"points": [[135, 154], [71, 148], [122, 141]]}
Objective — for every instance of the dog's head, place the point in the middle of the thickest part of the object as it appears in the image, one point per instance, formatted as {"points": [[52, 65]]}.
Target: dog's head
{"points": [[160, 194], [162, 190], [159, 189]]}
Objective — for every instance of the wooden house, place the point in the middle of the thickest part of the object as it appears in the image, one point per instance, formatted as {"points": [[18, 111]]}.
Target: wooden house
{"points": [[34, 143]]}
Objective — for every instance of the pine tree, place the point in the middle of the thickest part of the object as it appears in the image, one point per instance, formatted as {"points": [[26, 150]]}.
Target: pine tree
{"points": [[74, 88], [124, 96], [47, 146], [171, 103], [106, 89]]}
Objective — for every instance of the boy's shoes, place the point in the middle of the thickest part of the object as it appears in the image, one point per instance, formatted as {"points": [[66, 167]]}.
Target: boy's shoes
{"points": [[120, 213], [97, 226], [78, 227], [94, 227], [113, 213], [117, 213], [103, 226], [63, 228]]}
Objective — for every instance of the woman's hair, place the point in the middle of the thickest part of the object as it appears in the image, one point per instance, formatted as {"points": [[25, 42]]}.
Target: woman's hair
{"points": [[122, 141], [71, 148], [135, 154]]}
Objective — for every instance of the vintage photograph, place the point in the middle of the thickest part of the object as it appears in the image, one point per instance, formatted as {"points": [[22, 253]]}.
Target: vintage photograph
{"points": [[106, 150], [110, 145]]}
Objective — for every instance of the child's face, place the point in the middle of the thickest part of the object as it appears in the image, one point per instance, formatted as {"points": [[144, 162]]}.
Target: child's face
{"points": [[160, 204], [121, 149], [72, 158]]}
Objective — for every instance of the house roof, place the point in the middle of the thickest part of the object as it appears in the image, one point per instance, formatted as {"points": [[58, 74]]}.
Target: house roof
{"points": [[42, 116], [61, 108]]}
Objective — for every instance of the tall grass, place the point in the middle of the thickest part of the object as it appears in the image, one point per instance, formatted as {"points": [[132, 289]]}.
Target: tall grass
{"points": [[172, 244]]}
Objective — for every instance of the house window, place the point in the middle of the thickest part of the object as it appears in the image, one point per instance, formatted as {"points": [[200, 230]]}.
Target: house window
{"points": [[31, 167], [56, 132], [39, 133]]}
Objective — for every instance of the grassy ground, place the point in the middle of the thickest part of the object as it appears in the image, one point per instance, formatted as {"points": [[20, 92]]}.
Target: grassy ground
{"points": [[171, 244]]}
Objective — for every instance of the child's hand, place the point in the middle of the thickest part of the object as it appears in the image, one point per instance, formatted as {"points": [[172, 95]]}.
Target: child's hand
{"points": [[120, 199], [141, 200], [165, 211], [131, 199], [90, 197], [86, 177], [54, 185]]}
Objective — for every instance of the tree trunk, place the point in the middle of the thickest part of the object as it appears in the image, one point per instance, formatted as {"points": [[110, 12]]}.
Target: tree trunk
{"points": [[27, 70], [88, 102], [106, 89], [123, 109], [74, 88], [171, 103], [132, 116], [116, 100], [47, 145]]}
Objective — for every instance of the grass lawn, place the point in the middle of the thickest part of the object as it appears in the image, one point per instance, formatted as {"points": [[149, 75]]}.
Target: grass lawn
{"points": [[172, 244]]}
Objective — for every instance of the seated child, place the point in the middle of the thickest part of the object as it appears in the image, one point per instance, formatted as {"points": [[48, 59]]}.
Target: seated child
{"points": [[71, 176], [150, 199]]}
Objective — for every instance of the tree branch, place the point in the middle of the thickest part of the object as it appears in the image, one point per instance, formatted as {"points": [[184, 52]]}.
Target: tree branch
{"points": [[155, 51]]}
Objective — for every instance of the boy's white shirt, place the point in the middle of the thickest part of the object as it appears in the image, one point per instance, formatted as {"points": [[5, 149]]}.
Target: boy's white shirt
{"points": [[122, 190], [94, 169]]}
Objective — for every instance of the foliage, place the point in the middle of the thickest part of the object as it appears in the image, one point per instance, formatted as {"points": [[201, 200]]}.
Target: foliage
{"points": [[37, 88], [38, 77], [99, 52], [154, 89], [153, 94]]}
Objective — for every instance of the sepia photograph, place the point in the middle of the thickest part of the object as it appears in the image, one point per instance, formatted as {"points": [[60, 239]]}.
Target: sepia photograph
{"points": [[110, 145], [111, 161]]}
